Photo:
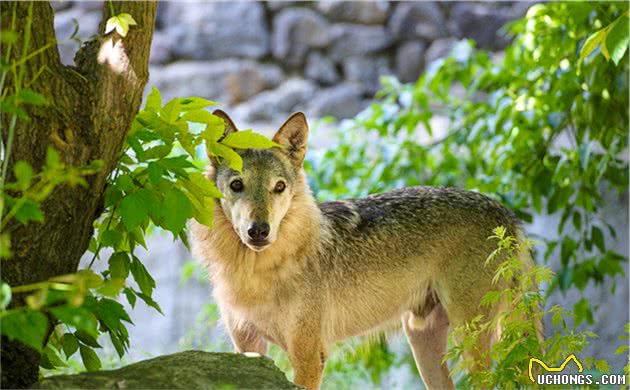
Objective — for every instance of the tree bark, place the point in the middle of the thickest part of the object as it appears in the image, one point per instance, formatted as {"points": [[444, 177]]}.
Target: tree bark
{"points": [[90, 110]]}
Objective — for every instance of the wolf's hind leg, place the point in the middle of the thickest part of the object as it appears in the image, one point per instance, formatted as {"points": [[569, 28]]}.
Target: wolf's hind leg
{"points": [[427, 337]]}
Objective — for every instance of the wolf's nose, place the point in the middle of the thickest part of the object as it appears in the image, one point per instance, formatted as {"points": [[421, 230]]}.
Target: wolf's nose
{"points": [[258, 231]]}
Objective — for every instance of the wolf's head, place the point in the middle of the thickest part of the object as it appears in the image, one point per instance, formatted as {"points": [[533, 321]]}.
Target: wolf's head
{"points": [[256, 200]]}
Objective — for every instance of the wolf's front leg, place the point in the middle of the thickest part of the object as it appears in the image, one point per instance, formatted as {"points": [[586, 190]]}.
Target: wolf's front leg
{"points": [[245, 337], [308, 357]]}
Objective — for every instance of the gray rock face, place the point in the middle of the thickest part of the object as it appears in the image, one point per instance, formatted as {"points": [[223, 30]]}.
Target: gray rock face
{"points": [[292, 95], [215, 30], [321, 69], [422, 19], [342, 101], [296, 30], [366, 71], [364, 12], [438, 49], [228, 81], [410, 60], [184, 370], [482, 24], [354, 39]]}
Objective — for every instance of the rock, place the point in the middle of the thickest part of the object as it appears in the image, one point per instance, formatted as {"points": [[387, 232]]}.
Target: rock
{"points": [[355, 40], [277, 5], [364, 12], [64, 23], [342, 101], [295, 31], [183, 370], [321, 69], [290, 96], [161, 45], [410, 60], [422, 19], [481, 23], [226, 81], [366, 71], [438, 49], [216, 30]]}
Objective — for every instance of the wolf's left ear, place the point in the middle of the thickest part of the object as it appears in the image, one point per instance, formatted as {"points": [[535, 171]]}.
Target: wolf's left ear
{"points": [[293, 135], [230, 127]]}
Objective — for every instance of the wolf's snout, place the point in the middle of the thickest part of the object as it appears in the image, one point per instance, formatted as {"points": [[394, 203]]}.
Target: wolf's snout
{"points": [[258, 231]]}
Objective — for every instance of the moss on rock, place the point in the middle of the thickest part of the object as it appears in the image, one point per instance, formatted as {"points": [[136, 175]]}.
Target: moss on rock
{"points": [[183, 370]]}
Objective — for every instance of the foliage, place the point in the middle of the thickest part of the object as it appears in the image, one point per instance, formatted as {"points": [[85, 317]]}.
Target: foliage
{"points": [[155, 184], [526, 128], [519, 330]]}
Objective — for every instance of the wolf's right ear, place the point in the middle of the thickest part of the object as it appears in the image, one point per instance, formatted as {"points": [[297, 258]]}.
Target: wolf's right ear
{"points": [[230, 127], [293, 135]]}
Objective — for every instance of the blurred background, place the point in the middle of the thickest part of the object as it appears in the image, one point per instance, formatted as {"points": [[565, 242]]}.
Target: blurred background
{"points": [[264, 60]]}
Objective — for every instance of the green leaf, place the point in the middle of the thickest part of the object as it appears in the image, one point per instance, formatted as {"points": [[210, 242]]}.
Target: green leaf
{"points": [[70, 344], [90, 358], [195, 103], [23, 174], [29, 211], [50, 358], [248, 140], [112, 287], [5, 295], [598, 238], [87, 338], [154, 100], [31, 97], [176, 210], [119, 265], [590, 45], [111, 313], [133, 209], [120, 23], [27, 326], [78, 317], [142, 277], [617, 38], [226, 154], [149, 301]]}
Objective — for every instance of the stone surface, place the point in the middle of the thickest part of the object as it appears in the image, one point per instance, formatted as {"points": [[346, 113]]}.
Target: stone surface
{"points": [[321, 69], [216, 30], [471, 21], [438, 49], [355, 39], [183, 370], [422, 19], [295, 31], [290, 96], [227, 81], [366, 71], [410, 60], [365, 12], [342, 101]]}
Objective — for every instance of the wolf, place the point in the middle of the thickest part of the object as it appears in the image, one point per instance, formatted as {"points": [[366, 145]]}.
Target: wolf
{"points": [[304, 275]]}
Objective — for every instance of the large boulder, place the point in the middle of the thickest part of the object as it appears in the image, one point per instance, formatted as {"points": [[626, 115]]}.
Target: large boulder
{"points": [[215, 30], [227, 81], [321, 69], [481, 23], [295, 32], [183, 370], [410, 60], [356, 40], [421, 19], [341, 101], [366, 71], [365, 12]]}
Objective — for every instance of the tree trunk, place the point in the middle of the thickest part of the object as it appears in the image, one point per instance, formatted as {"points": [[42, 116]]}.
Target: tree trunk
{"points": [[91, 107]]}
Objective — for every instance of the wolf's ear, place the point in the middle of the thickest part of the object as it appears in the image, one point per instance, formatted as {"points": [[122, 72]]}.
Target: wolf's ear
{"points": [[293, 135], [230, 127]]}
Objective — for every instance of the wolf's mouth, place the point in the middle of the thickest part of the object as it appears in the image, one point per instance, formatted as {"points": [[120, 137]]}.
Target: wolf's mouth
{"points": [[257, 245]]}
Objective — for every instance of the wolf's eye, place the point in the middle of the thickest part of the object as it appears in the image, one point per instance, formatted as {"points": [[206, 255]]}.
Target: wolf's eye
{"points": [[280, 186], [236, 186]]}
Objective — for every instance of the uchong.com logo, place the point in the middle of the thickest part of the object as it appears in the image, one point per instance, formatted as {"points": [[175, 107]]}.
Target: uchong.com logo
{"points": [[555, 376]]}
